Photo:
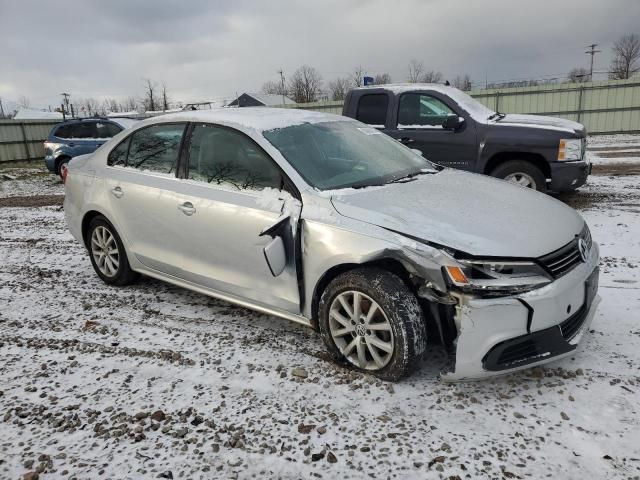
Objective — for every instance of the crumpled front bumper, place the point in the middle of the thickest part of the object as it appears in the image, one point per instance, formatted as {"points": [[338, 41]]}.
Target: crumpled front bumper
{"points": [[502, 335]]}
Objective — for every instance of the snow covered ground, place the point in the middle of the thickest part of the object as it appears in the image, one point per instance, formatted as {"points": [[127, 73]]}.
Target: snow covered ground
{"points": [[153, 381]]}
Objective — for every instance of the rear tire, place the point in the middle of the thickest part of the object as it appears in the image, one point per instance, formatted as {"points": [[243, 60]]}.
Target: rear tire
{"points": [[387, 343], [521, 173], [107, 253]]}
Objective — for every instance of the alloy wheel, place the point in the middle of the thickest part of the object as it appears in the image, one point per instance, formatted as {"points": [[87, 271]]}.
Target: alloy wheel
{"points": [[104, 249], [522, 179], [361, 330]]}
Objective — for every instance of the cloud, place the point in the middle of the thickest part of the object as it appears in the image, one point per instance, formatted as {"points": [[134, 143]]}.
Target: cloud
{"points": [[212, 49]]}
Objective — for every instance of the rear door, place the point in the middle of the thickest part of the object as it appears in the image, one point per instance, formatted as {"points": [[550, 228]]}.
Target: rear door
{"points": [[83, 138], [418, 124], [231, 198], [141, 183]]}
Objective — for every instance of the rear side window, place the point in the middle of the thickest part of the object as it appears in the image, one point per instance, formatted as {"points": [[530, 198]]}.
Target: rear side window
{"points": [[83, 130], [156, 148], [106, 130], [372, 109], [421, 110], [220, 155], [118, 156]]}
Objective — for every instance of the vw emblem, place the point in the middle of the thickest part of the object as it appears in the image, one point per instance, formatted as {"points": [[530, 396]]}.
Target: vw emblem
{"points": [[582, 248]]}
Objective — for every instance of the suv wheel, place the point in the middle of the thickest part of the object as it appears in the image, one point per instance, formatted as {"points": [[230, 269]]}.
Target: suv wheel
{"points": [[107, 253], [61, 165], [522, 173], [371, 321]]}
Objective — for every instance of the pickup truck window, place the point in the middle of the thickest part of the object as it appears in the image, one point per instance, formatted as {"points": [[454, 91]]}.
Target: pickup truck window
{"points": [[372, 109], [419, 110]]}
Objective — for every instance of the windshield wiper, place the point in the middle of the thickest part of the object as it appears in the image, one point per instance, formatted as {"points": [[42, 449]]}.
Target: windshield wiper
{"points": [[412, 176], [497, 115]]}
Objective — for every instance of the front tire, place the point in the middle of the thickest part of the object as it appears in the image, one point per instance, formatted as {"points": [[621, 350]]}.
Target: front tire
{"points": [[107, 253], [522, 173], [371, 321]]}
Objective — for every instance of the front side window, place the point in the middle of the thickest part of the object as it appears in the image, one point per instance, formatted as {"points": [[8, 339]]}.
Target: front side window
{"points": [[421, 110], [372, 109], [155, 148], [223, 156], [344, 154]]}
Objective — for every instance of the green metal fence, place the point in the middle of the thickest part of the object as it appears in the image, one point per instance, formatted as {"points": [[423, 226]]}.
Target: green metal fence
{"points": [[603, 107], [23, 139]]}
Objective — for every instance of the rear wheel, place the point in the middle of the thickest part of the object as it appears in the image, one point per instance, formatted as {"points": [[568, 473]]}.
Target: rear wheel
{"points": [[371, 321], [522, 173], [107, 253]]}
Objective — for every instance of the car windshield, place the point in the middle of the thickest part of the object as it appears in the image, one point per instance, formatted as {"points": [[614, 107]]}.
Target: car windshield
{"points": [[332, 155]]}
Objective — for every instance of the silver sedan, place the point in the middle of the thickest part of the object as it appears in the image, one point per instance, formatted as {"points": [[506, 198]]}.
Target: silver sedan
{"points": [[327, 222]]}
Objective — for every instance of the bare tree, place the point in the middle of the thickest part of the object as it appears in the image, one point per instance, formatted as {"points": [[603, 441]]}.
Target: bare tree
{"points": [[165, 98], [462, 82], [305, 84], [23, 102], [382, 79], [431, 77], [339, 87], [416, 70], [578, 75], [273, 88], [358, 76], [150, 95], [88, 106], [626, 53], [130, 104]]}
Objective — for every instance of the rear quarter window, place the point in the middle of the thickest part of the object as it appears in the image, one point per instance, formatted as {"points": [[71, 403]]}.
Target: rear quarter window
{"points": [[372, 109], [63, 131]]}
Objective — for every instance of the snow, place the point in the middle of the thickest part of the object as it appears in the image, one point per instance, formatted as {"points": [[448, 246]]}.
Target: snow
{"points": [[79, 358], [32, 114]]}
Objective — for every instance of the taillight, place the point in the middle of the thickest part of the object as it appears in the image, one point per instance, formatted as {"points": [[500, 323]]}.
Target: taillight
{"points": [[64, 171]]}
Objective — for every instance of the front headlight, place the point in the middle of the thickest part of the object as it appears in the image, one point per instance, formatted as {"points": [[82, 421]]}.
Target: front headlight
{"points": [[570, 149], [495, 277]]}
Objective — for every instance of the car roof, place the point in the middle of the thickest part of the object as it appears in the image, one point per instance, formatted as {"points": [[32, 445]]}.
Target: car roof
{"points": [[123, 122], [249, 118], [408, 87]]}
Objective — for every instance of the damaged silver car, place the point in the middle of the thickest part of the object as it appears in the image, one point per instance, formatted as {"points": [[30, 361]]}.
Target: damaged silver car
{"points": [[327, 222]]}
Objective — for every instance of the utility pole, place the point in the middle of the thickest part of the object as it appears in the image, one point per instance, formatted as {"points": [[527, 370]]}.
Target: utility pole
{"points": [[65, 103], [592, 51], [282, 81], [1, 109]]}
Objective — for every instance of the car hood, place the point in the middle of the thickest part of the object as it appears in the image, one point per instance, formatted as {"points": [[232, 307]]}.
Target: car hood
{"points": [[471, 213], [538, 121]]}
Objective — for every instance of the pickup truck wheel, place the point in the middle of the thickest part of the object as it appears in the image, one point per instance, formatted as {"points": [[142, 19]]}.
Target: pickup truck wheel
{"points": [[370, 321], [522, 173]]}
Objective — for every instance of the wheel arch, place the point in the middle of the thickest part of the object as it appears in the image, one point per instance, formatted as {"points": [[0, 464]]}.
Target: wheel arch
{"points": [[535, 159], [389, 264], [59, 159]]}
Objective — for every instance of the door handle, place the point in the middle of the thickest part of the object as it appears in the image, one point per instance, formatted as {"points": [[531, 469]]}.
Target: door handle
{"points": [[117, 192], [187, 208], [406, 140], [71, 144]]}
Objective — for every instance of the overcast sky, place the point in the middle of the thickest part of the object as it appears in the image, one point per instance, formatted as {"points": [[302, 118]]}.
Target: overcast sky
{"points": [[210, 49]]}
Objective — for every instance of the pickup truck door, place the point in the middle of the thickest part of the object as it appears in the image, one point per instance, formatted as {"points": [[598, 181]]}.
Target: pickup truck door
{"points": [[418, 123]]}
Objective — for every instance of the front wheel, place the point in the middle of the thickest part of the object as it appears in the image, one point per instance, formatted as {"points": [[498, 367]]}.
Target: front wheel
{"points": [[521, 173], [107, 253], [370, 320]]}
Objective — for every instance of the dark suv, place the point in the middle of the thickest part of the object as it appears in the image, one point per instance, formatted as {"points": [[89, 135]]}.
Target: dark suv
{"points": [[452, 129], [78, 137]]}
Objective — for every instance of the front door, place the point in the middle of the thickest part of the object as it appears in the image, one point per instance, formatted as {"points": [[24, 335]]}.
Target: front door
{"points": [[233, 194], [420, 119]]}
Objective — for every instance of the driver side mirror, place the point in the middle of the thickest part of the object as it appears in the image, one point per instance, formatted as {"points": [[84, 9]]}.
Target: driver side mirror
{"points": [[452, 122]]}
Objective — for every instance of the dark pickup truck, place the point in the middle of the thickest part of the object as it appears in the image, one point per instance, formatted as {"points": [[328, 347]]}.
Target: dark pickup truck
{"points": [[454, 130]]}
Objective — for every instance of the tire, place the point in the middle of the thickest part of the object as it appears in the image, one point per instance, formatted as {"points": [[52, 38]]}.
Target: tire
{"points": [[404, 333], [59, 165], [112, 272], [530, 175]]}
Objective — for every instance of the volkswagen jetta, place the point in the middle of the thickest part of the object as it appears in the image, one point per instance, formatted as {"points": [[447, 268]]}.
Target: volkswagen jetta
{"points": [[327, 222]]}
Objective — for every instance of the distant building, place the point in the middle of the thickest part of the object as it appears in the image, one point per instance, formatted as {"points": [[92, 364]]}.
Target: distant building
{"points": [[32, 114], [260, 100]]}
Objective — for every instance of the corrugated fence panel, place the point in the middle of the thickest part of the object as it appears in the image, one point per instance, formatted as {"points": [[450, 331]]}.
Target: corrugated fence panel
{"points": [[23, 139]]}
